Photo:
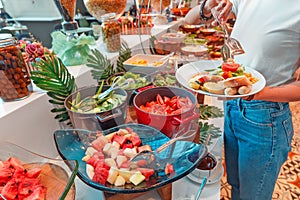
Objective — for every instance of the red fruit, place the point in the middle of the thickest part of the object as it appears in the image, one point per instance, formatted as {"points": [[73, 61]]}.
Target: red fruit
{"points": [[147, 172], [10, 190], [5, 175], [39, 193], [136, 140], [101, 175], [33, 173], [169, 169]]}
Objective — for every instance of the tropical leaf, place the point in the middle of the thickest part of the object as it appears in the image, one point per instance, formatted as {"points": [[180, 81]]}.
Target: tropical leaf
{"points": [[208, 129], [124, 54], [53, 76], [100, 64], [207, 112]]}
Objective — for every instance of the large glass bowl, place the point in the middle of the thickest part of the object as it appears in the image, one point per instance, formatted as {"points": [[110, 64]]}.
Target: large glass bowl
{"points": [[57, 175], [98, 8], [183, 155]]}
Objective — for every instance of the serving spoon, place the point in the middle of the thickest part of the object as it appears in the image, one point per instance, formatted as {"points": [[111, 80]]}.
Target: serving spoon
{"points": [[152, 158]]}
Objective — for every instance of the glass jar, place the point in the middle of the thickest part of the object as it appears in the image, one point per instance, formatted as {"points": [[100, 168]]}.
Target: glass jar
{"points": [[15, 83], [111, 32]]}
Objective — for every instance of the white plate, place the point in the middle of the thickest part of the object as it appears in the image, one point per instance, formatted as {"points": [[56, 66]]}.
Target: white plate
{"points": [[184, 74], [149, 68]]}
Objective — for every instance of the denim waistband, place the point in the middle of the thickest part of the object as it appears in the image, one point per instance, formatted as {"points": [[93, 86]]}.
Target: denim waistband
{"points": [[258, 104]]}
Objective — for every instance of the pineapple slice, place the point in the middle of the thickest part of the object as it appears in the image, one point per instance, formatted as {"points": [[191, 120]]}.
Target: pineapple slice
{"points": [[137, 178], [120, 159], [112, 175], [120, 181], [110, 162]]}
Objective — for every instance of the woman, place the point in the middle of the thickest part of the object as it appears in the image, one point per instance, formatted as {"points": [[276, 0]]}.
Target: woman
{"points": [[258, 129]]}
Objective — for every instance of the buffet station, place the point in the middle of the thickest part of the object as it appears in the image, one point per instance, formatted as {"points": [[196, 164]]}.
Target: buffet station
{"points": [[122, 116]]}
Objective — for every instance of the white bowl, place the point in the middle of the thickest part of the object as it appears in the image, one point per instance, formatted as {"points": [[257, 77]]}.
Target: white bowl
{"points": [[151, 63], [174, 37], [196, 50]]}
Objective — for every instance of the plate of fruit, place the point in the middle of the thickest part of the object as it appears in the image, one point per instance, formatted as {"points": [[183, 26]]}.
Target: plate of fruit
{"points": [[105, 157], [219, 79]]}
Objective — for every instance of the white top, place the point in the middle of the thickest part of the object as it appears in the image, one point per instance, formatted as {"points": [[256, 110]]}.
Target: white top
{"points": [[269, 31]]}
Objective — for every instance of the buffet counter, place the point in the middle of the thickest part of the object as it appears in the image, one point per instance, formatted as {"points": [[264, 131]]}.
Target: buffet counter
{"points": [[30, 124]]}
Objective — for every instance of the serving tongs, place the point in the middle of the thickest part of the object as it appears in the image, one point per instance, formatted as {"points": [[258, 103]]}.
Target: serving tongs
{"points": [[231, 45], [152, 159], [91, 102]]}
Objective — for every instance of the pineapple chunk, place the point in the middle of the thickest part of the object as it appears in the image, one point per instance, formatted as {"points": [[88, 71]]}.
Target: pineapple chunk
{"points": [[137, 178], [90, 171], [110, 162], [126, 174], [110, 136], [120, 159], [86, 158], [122, 131], [90, 151], [130, 152], [115, 144], [120, 181], [107, 148], [114, 152], [112, 175]]}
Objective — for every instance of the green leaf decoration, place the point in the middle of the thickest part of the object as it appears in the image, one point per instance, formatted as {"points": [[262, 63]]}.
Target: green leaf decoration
{"points": [[124, 54], [53, 76], [205, 129], [100, 64], [71, 51], [206, 112]]}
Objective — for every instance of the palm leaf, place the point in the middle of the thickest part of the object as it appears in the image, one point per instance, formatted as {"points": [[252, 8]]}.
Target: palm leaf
{"points": [[53, 76], [100, 64], [124, 54]]}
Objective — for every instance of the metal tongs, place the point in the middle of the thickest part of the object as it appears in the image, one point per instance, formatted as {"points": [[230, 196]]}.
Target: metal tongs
{"points": [[231, 45]]}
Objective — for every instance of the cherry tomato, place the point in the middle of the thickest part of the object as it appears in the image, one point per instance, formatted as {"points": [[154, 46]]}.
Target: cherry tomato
{"points": [[232, 67]]}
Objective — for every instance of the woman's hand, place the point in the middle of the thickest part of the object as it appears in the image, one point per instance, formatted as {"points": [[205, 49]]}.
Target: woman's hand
{"points": [[221, 8]]}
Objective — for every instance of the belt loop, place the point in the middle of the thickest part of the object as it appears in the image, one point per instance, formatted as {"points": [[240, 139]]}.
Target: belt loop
{"points": [[280, 105]]}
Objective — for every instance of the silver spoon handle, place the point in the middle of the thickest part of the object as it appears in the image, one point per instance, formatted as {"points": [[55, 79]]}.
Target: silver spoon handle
{"points": [[185, 135]]}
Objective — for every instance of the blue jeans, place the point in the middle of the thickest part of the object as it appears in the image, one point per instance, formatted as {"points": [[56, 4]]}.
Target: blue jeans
{"points": [[257, 139]]}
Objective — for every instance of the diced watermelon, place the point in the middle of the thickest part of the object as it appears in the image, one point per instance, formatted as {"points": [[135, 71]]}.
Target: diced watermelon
{"points": [[147, 172], [26, 186], [10, 190], [33, 173], [141, 163], [169, 169], [125, 164], [136, 140], [5, 175], [120, 139], [99, 143], [39, 193], [101, 175], [127, 145], [15, 163]]}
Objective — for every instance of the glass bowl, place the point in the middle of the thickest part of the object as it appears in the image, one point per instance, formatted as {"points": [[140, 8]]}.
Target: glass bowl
{"points": [[98, 8], [56, 175], [72, 144]]}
